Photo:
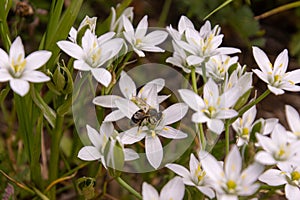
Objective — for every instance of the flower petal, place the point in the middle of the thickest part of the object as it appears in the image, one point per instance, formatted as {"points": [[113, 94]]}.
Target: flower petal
{"points": [[71, 49], [174, 113], [114, 116], [293, 118], [4, 60], [127, 86], [193, 100], [107, 101], [264, 158], [4, 75], [16, 50], [178, 169], [215, 125], [154, 151], [155, 37], [37, 59], [275, 90], [89, 153], [21, 87], [132, 135], [174, 189], [82, 65], [102, 76], [172, 133], [233, 164], [35, 76], [130, 154], [273, 177], [128, 108], [149, 192], [211, 166], [262, 60], [141, 28], [94, 137], [291, 192]]}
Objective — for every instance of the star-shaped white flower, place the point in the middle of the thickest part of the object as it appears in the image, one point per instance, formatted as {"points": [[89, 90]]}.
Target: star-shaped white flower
{"points": [[151, 131], [174, 190], [94, 53], [288, 175], [194, 177], [129, 91], [204, 44], [139, 40], [275, 75], [213, 107], [87, 21], [183, 24], [230, 182], [99, 141], [116, 24], [19, 70], [243, 126], [277, 148]]}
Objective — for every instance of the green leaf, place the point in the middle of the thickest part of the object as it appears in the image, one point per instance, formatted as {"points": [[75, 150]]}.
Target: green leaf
{"points": [[65, 107], [48, 112], [256, 129], [242, 100]]}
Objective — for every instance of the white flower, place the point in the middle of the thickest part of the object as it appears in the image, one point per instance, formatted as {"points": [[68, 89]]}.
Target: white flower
{"points": [[183, 24], [94, 53], [116, 24], [19, 70], [87, 21], [179, 58], [231, 182], [213, 108], [243, 126], [204, 44], [288, 175], [275, 75], [150, 131], [139, 40], [128, 89], [267, 125], [278, 148], [174, 190], [217, 66], [99, 141], [195, 177], [293, 120]]}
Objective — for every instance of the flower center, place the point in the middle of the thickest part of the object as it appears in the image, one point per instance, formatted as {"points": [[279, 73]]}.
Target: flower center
{"points": [[231, 186], [138, 41], [18, 66], [295, 175], [200, 174], [282, 153]]}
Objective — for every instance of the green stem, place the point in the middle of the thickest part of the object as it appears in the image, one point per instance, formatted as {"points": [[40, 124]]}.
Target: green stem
{"points": [[248, 106], [128, 187], [201, 135], [227, 141], [164, 13], [203, 67], [54, 157]]}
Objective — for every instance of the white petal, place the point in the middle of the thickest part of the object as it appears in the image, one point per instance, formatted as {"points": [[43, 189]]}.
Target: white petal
{"points": [[149, 192], [293, 118], [89, 153], [107, 129], [226, 114], [141, 28], [207, 191], [189, 48], [127, 86], [228, 50], [16, 49], [292, 192], [114, 116], [35, 76], [216, 125], [94, 137], [275, 90], [21, 87], [281, 62], [139, 52], [174, 189], [132, 135], [194, 60], [130, 154], [174, 113], [128, 108], [107, 101], [262, 60], [37, 59], [211, 91], [154, 151], [4, 75], [191, 99], [293, 76], [273, 177], [4, 60], [200, 117], [152, 49], [261, 75], [194, 163], [127, 25], [71, 49], [82, 65], [264, 158], [105, 37], [233, 164], [266, 143], [178, 169], [211, 166], [251, 173], [102, 76], [172, 133], [155, 37], [184, 23]]}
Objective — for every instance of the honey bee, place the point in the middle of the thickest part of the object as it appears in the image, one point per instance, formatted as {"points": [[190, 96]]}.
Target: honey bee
{"points": [[146, 115]]}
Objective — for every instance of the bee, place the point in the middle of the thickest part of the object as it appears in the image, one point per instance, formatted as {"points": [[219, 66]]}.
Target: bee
{"points": [[148, 117]]}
